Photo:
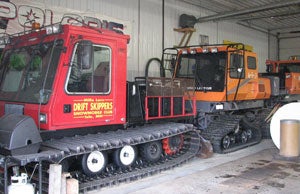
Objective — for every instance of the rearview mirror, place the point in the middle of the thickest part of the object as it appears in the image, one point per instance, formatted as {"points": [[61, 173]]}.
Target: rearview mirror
{"points": [[85, 54], [236, 60]]}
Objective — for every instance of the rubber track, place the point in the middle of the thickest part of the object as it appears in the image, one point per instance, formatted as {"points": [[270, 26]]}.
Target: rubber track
{"points": [[264, 125], [225, 125], [56, 150], [144, 170]]}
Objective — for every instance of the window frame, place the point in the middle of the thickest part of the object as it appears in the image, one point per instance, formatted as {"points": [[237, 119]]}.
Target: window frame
{"points": [[90, 71], [234, 70], [249, 64]]}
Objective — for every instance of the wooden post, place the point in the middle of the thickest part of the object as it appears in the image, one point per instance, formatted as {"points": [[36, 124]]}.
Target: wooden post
{"points": [[72, 186], [54, 179], [64, 177]]}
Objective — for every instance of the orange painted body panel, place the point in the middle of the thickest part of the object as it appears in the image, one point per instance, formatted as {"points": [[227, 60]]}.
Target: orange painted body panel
{"points": [[250, 87], [289, 72], [276, 64], [292, 83]]}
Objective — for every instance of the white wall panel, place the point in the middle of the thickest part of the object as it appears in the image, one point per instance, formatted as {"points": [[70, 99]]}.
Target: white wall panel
{"points": [[145, 19], [273, 48], [124, 10], [289, 47], [217, 32], [237, 33], [150, 33]]}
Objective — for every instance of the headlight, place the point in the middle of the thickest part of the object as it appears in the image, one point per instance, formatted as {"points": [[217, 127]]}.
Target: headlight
{"points": [[54, 29], [43, 118], [214, 50], [205, 50], [4, 40], [184, 52], [193, 51]]}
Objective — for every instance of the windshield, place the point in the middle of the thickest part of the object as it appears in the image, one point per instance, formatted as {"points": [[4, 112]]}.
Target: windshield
{"points": [[208, 70], [289, 67], [27, 73]]}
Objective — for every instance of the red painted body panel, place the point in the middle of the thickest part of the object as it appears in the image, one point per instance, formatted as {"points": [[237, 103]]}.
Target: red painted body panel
{"points": [[86, 109]]}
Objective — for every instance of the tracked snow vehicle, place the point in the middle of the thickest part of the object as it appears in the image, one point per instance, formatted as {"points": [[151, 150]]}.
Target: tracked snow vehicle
{"points": [[232, 98], [64, 99]]}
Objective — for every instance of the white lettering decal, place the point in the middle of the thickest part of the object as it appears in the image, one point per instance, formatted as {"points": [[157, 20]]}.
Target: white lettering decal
{"points": [[8, 10]]}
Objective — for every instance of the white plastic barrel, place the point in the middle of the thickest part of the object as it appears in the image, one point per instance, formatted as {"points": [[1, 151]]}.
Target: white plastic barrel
{"points": [[289, 138], [286, 112]]}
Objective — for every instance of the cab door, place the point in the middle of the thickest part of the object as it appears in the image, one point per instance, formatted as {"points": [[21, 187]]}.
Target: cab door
{"points": [[89, 96]]}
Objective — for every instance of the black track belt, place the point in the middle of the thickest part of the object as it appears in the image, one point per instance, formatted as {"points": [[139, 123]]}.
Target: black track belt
{"points": [[54, 151]]}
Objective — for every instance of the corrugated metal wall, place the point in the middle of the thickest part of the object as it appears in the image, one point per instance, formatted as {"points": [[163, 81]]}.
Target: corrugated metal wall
{"points": [[289, 47], [229, 31], [273, 47], [145, 16]]}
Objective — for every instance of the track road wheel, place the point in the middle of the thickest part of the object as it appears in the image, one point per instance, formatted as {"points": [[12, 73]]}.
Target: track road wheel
{"points": [[249, 133], [226, 141], [244, 137], [151, 151], [172, 145], [125, 156], [94, 162]]}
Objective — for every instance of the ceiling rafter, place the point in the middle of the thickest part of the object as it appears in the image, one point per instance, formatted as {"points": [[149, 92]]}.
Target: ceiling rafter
{"points": [[274, 16]]}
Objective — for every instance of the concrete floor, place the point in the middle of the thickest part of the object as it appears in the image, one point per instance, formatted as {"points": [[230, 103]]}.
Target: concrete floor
{"points": [[256, 169]]}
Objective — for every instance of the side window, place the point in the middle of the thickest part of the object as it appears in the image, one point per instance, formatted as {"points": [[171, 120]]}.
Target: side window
{"points": [[251, 61], [94, 79], [237, 66], [187, 66]]}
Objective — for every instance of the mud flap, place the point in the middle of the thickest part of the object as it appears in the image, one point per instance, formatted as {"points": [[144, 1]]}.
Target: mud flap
{"points": [[18, 135], [206, 149]]}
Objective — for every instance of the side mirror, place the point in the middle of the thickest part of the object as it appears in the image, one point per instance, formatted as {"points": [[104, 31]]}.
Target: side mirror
{"points": [[236, 61], [43, 48], [85, 54], [269, 69]]}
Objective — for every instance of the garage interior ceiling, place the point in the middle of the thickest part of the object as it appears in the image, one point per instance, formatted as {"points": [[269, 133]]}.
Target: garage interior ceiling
{"points": [[277, 17]]}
